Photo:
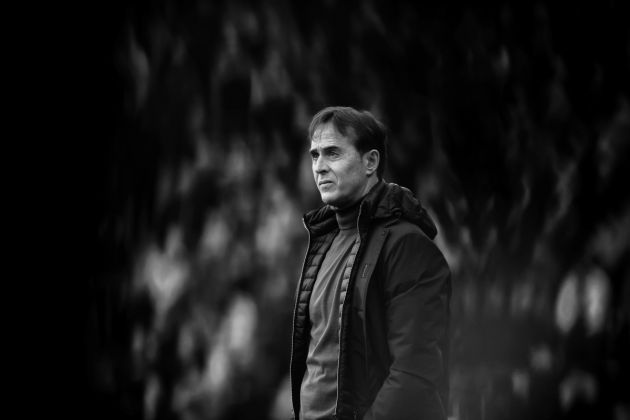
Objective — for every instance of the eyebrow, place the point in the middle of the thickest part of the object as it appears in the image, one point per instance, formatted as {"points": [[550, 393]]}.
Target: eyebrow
{"points": [[326, 149]]}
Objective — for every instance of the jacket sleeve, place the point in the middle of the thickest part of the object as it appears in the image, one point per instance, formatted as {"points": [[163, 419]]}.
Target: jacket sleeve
{"points": [[417, 293]]}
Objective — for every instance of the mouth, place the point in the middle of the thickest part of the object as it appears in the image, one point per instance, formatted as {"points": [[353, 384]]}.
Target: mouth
{"points": [[324, 183]]}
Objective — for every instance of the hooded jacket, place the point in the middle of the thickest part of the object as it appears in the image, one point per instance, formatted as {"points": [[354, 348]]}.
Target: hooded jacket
{"points": [[393, 352]]}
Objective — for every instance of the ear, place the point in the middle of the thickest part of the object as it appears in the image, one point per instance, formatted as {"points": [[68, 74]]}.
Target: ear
{"points": [[371, 161]]}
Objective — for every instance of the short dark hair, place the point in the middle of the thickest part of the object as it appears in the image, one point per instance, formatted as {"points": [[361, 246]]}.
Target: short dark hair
{"points": [[361, 126]]}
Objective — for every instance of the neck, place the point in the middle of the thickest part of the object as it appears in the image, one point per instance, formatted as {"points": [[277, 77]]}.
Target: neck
{"points": [[372, 181], [347, 217]]}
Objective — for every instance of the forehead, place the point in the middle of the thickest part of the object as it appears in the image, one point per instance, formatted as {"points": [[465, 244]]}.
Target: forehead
{"points": [[327, 135]]}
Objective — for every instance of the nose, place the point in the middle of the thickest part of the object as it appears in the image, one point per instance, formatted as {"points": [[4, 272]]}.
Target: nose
{"points": [[319, 165]]}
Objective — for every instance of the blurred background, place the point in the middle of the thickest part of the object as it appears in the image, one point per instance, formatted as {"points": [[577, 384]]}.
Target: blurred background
{"points": [[510, 122]]}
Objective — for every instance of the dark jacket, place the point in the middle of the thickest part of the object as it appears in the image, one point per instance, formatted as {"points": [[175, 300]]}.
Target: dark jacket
{"points": [[394, 322]]}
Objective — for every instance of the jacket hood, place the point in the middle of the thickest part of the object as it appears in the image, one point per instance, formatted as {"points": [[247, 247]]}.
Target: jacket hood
{"points": [[386, 200]]}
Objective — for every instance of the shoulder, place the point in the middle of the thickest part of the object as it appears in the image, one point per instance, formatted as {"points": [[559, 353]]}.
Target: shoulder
{"points": [[403, 233], [407, 245], [402, 228], [409, 259]]}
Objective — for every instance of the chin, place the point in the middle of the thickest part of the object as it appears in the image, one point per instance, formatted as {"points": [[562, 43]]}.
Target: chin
{"points": [[329, 199]]}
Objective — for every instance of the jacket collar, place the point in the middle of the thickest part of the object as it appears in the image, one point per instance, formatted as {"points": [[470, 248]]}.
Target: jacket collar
{"points": [[385, 201]]}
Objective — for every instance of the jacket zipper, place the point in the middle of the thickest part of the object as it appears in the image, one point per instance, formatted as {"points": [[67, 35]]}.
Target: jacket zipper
{"points": [[297, 298]]}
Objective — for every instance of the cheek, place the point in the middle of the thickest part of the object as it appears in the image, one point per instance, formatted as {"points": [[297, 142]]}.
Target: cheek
{"points": [[351, 173]]}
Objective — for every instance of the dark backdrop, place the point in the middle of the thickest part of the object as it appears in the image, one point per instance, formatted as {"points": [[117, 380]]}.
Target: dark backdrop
{"points": [[511, 123]]}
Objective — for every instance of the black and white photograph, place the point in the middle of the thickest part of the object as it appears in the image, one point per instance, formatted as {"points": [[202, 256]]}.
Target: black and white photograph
{"points": [[372, 210]]}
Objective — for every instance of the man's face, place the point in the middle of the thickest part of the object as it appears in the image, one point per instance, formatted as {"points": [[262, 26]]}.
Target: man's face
{"points": [[338, 168]]}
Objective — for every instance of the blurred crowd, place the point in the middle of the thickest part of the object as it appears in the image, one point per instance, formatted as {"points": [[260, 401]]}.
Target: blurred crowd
{"points": [[511, 123]]}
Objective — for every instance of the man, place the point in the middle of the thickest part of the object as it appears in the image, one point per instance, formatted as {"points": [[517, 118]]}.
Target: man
{"points": [[370, 328]]}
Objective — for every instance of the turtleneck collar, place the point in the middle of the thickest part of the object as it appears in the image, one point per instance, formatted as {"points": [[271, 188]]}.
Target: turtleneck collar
{"points": [[347, 218]]}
